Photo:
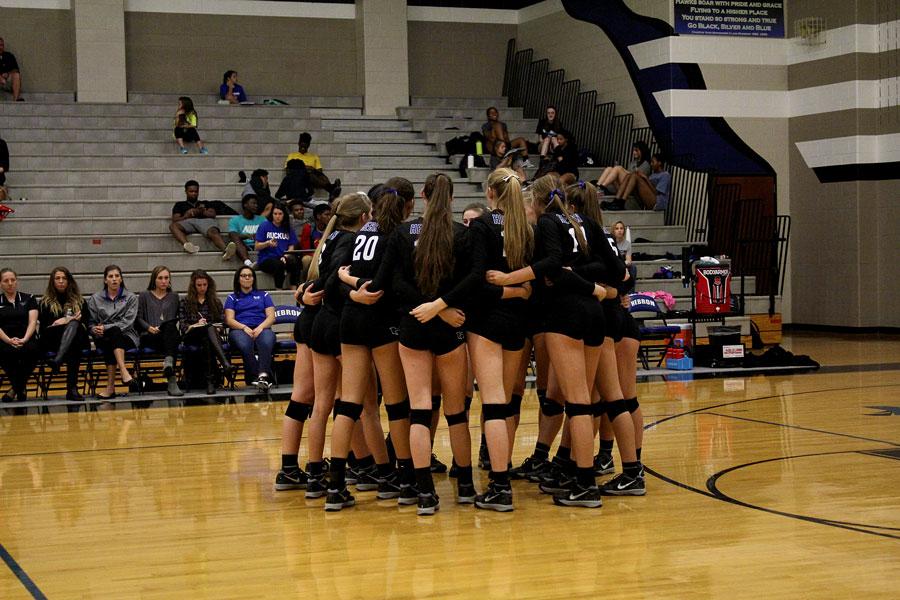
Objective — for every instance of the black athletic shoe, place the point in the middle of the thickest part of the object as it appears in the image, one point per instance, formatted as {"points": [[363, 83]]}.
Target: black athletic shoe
{"points": [[338, 499], [351, 476], [579, 496], [437, 466], [454, 470], [428, 504], [316, 487], [604, 465], [484, 459], [559, 483], [465, 493], [622, 485], [294, 479], [495, 498], [528, 466], [409, 495], [367, 480], [389, 487]]}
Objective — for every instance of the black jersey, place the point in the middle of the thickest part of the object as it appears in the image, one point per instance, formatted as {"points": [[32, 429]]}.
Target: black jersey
{"points": [[486, 243], [605, 266], [556, 247], [397, 270], [336, 252], [369, 249]]}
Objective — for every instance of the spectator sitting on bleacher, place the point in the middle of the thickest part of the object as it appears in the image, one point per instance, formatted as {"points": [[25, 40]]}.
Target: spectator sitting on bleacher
{"points": [[623, 247], [18, 342], [547, 129], [500, 160], [230, 90], [311, 234], [275, 240], [565, 158], [495, 130], [10, 77], [613, 177], [296, 185], [200, 318], [4, 160], [191, 215], [259, 187], [652, 193], [242, 228], [63, 333], [317, 178], [157, 320], [186, 126], [298, 217], [249, 316], [111, 315]]}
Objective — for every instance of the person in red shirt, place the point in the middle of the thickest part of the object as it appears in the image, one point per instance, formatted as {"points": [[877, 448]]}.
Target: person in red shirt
{"points": [[312, 233]]}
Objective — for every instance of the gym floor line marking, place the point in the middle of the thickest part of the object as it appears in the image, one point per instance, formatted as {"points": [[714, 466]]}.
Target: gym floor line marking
{"points": [[21, 575], [800, 427]]}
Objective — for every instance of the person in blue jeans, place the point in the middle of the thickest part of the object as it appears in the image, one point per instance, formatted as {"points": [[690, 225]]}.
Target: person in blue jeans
{"points": [[249, 315]]}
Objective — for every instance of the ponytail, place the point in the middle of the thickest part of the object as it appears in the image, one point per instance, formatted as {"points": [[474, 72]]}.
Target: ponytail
{"points": [[434, 260], [518, 237], [346, 211], [555, 201], [390, 203], [583, 196]]}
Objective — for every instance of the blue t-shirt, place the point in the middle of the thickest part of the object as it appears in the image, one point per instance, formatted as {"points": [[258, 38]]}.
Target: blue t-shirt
{"points": [[249, 309], [268, 231], [238, 92], [243, 226], [662, 181]]}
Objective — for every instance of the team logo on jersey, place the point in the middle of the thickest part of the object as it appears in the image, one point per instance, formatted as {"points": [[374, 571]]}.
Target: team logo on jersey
{"points": [[497, 217], [395, 331], [334, 234], [415, 228], [370, 227], [460, 335], [575, 216]]}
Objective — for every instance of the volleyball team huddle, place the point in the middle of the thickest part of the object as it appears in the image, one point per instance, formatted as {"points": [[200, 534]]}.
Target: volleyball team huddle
{"points": [[406, 313]]}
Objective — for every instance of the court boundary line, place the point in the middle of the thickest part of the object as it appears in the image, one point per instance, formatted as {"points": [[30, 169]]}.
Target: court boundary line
{"points": [[21, 575], [802, 428]]}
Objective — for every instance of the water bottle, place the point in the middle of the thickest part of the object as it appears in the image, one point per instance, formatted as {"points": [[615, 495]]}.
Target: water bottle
{"points": [[479, 149]]}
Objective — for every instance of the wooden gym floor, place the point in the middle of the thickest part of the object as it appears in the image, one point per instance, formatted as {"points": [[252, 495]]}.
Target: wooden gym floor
{"points": [[759, 487]]}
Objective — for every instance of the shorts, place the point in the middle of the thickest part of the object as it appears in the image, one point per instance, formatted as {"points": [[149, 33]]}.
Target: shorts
{"points": [[577, 317], [365, 326], [304, 323], [187, 134], [325, 337], [533, 321], [501, 326], [434, 336], [200, 226]]}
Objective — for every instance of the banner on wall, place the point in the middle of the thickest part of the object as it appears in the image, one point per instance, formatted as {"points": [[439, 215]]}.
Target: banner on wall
{"points": [[751, 18]]}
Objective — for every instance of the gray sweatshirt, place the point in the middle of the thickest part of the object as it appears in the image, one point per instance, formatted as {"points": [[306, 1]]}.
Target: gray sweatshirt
{"points": [[153, 312], [119, 312]]}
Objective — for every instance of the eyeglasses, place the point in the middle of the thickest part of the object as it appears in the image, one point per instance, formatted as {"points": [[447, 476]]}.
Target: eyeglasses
{"points": [[246, 275]]}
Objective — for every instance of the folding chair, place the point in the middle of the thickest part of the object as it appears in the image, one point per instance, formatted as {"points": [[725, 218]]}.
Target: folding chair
{"points": [[643, 308]]}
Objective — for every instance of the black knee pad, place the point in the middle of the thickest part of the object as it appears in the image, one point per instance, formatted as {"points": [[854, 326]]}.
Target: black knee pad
{"points": [[468, 403], [631, 404], [578, 410], [515, 405], [397, 412], [348, 409], [598, 409], [420, 416], [551, 408], [436, 402], [615, 408], [457, 419], [298, 411], [494, 412]]}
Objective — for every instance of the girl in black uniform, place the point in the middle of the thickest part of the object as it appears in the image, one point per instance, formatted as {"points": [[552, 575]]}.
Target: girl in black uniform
{"points": [[369, 331], [496, 334], [573, 326], [428, 259], [334, 251]]}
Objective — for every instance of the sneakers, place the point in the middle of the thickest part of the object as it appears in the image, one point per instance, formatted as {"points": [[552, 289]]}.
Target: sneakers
{"points": [[295, 479], [183, 150], [436, 465], [316, 487], [557, 482], [338, 499], [389, 487], [622, 485], [495, 498], [367, 481], [604, 465], [262, 383], [577, 496], [204, 151], [428, 504], [230, 249], [465, 493], [351, 476], [409, 495], [191, 248], [529, 467], [527, 164], [249, 263]]}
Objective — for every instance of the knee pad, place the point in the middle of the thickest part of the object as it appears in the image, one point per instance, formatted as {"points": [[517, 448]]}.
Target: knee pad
{"points": [[515, 405], [436, 402], [494, 412], [631, 404], [468, 403], [459, 418], [397, 412], [598, 409], [615, 408], [551, 408], [420, 416], [578, 410], [348, 409], [298, 411]]}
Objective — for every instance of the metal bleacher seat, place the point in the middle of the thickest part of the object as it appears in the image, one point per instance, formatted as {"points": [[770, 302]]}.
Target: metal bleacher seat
{"points": [[644, 307]]}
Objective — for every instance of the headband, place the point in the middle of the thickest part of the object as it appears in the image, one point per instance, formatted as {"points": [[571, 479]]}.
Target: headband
{"points": [[555, 192], [510, 176], [387, 190]]}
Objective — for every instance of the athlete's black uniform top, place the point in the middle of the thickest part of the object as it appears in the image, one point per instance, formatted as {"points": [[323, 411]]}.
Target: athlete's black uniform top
{"points": [[325, 335], [370, 325]]}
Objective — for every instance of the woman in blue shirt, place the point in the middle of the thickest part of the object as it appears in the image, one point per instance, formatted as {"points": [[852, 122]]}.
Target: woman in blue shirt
{"points": [[230, 89], [274, 238], [249, 315]]}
